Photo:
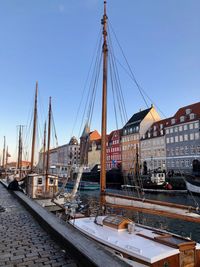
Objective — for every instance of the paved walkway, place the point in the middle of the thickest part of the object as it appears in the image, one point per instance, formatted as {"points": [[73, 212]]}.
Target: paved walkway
{"points": [[22, 240]]}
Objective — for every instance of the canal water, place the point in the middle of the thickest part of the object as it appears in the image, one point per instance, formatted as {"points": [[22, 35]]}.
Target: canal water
{"points": [[186, 229]]}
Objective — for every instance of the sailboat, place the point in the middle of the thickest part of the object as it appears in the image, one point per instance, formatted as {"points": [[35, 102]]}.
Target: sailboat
{"points": [[41, 186], [193, 180], [138, 245]]}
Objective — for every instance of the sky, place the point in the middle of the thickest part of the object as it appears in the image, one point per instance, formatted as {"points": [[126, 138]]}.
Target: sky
{"points": [[53, 42]]}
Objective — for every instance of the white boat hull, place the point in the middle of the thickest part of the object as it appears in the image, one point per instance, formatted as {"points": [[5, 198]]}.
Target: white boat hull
{"points": [[140, 245], [193, 188]]}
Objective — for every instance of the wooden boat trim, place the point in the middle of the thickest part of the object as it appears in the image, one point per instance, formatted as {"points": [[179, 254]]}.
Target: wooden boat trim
{"points": [[174, 211], [168, 204]]}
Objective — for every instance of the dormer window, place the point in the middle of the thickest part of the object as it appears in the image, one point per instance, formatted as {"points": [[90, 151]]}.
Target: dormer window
{"points": [[173, 121], [155, 133], [192, 116], [187, 111], [149, 135], [161, 126], [154, 127], [182, 118]]}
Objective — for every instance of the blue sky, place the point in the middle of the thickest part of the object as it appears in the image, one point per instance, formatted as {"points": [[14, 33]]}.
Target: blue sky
{"points": [[52, 41]]}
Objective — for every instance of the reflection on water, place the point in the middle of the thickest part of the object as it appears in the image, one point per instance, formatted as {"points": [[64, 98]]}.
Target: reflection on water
{"points": [[187, 229]]}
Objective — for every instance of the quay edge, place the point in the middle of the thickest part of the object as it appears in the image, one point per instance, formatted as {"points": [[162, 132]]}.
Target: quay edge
{"points": [[84, 251]]}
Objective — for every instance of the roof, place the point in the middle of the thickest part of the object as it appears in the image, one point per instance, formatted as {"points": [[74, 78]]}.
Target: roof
{"points": [[110, 136], [94, 135], [195, 108], [156, 126], [138, 117]]}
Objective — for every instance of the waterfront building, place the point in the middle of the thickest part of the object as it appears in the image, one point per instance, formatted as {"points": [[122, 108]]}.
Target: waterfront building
{"points": [[133, 130], [153, 147], [88, 153], [183, 138], [94, 149], [113, 150], [62, 157]]}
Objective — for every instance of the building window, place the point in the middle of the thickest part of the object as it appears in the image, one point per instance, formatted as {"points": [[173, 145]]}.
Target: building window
{"points": [[181, 150], [192, 136], [180, 128], [182, 163], [187, 111], [191, 126], [172, 139], [185, 127], [185, 137], [171, 130], [187, 163], [192, 116], [161, 126], [196, 125], [167, 131], [192, 150], [182, 118], [176, 138], [155, 133], [173, 121], [176, 129], [196, 136], [180, 138], [167, 140], [186, 150]]}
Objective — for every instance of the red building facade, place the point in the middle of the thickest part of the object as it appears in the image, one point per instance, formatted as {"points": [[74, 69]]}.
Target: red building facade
{"points": [[113, 150]]}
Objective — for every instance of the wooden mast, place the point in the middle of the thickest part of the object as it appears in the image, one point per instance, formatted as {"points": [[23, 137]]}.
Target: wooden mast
{"points": [[104, 104], [34, 128], [44, 146], [6, 159], [48, 143], [4, 150], [19, 163]]}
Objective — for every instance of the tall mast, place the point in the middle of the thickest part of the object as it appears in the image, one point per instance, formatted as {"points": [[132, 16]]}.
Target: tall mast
{"points": [[6, 158], [48, 143], [104, 104], [4, 150], [44, 146], [19, 164], [34, 127], [19, 148]]}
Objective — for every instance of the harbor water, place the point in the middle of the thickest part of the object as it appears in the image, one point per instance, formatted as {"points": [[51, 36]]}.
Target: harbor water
{"points": [[180, 227]]}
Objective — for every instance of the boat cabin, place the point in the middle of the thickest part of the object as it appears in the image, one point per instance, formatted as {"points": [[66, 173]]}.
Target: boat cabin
{"points": [[158, 178], [117, 222], [37, 188]]}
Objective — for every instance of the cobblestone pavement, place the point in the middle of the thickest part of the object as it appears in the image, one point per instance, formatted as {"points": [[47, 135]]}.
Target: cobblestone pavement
{"points": [[22, 240]]}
